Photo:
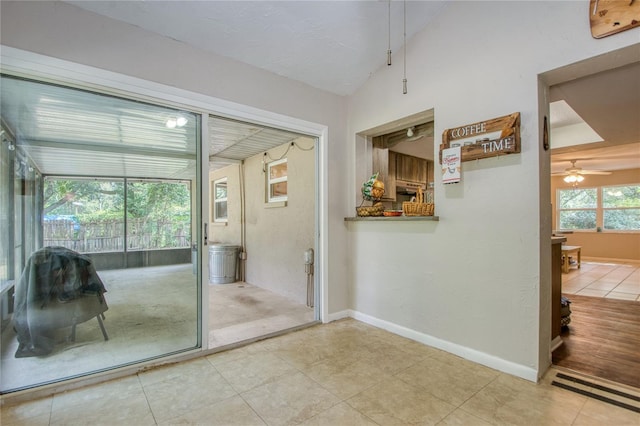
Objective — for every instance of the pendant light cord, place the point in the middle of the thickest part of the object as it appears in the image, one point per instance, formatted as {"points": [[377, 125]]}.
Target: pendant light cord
{"points": [[389, 34], [404, 80]]}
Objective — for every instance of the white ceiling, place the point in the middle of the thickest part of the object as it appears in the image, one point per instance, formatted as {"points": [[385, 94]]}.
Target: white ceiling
{"points": [[609, 102], [330, 45]]}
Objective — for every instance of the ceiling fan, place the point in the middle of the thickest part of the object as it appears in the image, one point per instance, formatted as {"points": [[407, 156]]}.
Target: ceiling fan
{"points": [[575, 174]]}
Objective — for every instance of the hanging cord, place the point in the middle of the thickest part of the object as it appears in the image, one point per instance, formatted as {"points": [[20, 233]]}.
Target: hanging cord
{"points": [[291, 145], [389, 33], [404, 80]]}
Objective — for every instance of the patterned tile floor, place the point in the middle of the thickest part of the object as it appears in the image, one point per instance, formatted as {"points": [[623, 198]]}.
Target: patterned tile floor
{"points": [[604, 279], [342, 373]]}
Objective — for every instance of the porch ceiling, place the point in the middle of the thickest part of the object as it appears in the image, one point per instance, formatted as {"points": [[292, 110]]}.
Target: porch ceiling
{"points": [[78, 133]]}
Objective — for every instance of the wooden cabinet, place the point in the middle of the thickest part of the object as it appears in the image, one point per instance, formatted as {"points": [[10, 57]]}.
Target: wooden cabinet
{"points": [[384, 163], [410, 168], [393, 166]]}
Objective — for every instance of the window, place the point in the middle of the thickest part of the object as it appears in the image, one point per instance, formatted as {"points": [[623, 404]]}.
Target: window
{"points": [[621, 207], [609, 208], [277, 181], [220, 200], [577, 208]]}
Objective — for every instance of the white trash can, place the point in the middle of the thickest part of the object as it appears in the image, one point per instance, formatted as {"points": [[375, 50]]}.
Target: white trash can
{"points": [[222, 263]]}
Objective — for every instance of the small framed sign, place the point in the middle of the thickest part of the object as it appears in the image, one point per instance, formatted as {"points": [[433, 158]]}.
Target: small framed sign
{"points": [[490, 138]]}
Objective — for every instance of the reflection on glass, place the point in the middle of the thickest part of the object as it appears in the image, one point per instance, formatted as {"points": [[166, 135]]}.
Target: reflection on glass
{"points": [[279, 189], [96, 221]]}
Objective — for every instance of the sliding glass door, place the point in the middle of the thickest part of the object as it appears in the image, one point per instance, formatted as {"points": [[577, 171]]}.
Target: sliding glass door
{"points": [[98, 216]]}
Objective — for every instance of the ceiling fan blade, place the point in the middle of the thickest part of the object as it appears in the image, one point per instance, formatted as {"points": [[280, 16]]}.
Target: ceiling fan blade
{"points": [[594, 172]]}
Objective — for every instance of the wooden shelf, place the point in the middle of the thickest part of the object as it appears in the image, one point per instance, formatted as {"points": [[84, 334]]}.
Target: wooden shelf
{"points": [[392, 219]]}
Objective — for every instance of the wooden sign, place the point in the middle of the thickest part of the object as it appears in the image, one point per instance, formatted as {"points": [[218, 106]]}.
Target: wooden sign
{"points": [[491, 138], [609, 17]]}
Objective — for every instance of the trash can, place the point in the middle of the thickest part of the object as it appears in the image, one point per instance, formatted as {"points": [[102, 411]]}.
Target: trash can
{"points": [[222, 263], [194, 258]]}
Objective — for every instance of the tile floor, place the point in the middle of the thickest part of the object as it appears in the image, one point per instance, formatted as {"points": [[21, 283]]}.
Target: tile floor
{"points": [[151, 313], [342, 373], [604, 279]]}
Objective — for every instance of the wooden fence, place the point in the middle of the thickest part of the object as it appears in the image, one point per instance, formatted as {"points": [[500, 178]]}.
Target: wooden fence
{"points": [[105, 236]]}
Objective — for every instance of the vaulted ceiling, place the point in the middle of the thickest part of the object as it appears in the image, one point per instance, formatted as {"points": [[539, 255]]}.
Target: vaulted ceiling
{"points": [[336, 45]]}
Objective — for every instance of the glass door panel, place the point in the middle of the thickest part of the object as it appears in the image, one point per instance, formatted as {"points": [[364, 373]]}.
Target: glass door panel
{"points": [[102, 201]]}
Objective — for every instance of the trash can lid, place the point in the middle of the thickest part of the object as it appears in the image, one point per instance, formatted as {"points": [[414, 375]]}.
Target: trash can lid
{"points": [[223, 246]]}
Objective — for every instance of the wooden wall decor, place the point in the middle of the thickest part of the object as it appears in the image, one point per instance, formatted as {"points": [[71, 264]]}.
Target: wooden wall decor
{"points": [[490, 138], [609, 17]]}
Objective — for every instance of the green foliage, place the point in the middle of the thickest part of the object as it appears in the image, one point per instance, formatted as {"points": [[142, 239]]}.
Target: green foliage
{"points": [[620, 207], [158, 213]]}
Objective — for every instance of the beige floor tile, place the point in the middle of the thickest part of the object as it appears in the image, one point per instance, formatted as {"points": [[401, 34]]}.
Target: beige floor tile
{"points": [[111, 391], [196, 367], [595, 412], [230, 412], [572, 289], [113, 402], [179, 395], [512, 401], [592, 293], [28, 412], [341, 414], [42, 420], [453, 380], [292, 399], [461, 418], [621, 296], [626, 287], [228, 355], [112, 409], [345, 379], [603, 285], [254, 370], [311, 351], [394, 402], [394, 358]]}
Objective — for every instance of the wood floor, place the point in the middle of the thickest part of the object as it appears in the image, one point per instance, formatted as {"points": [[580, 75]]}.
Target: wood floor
{"points": [[603, 339]]}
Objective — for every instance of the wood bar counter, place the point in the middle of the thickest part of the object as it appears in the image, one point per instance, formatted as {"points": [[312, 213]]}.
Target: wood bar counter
{"points": [[556, 288]]}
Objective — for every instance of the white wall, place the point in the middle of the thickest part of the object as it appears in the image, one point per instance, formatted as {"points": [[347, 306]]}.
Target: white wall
{"points": [[278, 236], [66, 32], [229, 232], [472, 283]]}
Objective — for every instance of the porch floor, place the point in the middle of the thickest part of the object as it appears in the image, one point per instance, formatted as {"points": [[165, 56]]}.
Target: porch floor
{"points": [[151, 313]]}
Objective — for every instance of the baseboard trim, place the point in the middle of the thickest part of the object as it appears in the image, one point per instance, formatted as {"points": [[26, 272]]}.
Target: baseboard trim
{"points": [[610, 260], [347, 313], [482, 358], [556, 343]]}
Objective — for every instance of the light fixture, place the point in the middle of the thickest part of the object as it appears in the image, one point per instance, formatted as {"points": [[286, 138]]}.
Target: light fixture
{"points": [[172, 123], [410, 132], [573, 178]]}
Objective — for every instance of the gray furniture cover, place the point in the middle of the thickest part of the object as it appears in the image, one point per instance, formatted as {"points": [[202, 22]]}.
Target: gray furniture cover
{"points": [[58, 288]]}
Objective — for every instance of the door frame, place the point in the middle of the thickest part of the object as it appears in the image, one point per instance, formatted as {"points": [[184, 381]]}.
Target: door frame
{"points": [[26, 64], [590, 66]]}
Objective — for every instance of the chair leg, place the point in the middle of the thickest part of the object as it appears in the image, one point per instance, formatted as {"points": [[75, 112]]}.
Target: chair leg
{"points": [[104, 331]]}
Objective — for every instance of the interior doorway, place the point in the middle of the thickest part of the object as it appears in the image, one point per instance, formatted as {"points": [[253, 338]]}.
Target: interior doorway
{"points": [[602, 95]]}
